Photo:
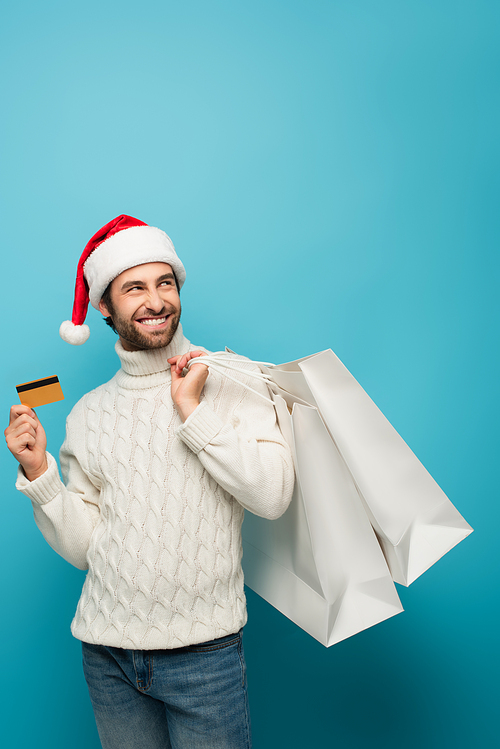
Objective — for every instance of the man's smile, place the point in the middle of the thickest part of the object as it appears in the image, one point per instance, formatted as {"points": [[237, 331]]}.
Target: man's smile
{"points": [[153, 322]]}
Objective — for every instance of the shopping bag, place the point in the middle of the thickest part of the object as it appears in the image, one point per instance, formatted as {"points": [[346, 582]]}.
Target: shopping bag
{"points": [[414, 520], [354, 474], [320, 563]]}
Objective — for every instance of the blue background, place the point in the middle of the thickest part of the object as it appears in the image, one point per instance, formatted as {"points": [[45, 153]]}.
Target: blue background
{"points": [[329, 173]]}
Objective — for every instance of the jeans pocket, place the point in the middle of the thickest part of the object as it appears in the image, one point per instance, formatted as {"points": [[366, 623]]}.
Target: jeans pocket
{"points": [[218, 644]]}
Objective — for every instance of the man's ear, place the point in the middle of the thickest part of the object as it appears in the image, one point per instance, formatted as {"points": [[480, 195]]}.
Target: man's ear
{"points": [[103, 309]]}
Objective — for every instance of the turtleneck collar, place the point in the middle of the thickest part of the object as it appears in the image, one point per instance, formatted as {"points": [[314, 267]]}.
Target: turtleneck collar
{"points": [[149, 367]]}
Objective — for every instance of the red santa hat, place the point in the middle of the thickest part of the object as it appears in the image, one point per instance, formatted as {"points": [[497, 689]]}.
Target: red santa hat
{"points": [[122, 244]]}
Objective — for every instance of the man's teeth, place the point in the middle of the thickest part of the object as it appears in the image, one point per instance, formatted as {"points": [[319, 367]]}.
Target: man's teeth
{"points": [[152, 322]]}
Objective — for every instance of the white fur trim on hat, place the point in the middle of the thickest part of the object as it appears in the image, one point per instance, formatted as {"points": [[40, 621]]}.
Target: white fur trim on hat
{"points": [[126, 249], [74, 334]]}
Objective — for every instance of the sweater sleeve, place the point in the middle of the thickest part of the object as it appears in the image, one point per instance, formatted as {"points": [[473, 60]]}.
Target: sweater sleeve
{"points": [[66, 515], [243, 450]]}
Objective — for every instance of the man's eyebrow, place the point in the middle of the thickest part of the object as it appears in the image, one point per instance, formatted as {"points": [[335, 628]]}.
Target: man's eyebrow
{"points": [[130, 284]]}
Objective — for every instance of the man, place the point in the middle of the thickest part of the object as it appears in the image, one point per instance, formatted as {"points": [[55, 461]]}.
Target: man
{"points": [[158, 465]]}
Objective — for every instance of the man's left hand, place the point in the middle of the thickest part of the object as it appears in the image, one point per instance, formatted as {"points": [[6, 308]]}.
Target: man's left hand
{"points": [[186, 389]]}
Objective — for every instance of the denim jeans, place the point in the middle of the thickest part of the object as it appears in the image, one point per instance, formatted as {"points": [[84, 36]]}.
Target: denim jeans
{"points": [[188, 698]]}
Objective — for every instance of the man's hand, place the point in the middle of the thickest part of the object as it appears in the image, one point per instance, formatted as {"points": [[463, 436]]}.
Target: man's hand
{"points": [[186, 389], [26, 440]]}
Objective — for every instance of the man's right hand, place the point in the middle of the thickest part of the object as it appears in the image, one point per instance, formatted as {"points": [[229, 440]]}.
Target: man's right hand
{"points": [[25, 437]]}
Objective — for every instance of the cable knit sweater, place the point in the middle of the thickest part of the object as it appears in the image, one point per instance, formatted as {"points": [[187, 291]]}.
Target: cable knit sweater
{"points": [[153, 507]]}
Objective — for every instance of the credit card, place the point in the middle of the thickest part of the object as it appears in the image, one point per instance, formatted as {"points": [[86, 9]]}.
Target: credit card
{"points": [[39, 392]]}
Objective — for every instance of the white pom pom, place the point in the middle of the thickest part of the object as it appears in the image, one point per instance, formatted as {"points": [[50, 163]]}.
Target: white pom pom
{"points": [[74, 334]]}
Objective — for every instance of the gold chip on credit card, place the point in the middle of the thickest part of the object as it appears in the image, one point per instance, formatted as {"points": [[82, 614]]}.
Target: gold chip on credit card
{"points": [[40, 392]]}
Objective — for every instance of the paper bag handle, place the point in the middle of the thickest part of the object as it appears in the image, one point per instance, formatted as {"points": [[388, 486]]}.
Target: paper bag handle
{"points": [[219, 362]]}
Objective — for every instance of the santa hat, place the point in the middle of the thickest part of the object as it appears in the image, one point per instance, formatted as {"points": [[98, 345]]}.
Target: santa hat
{"points": [[122, 244]]}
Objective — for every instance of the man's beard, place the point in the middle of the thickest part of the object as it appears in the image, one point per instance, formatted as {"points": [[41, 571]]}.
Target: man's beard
{"points": [[156, 339]]}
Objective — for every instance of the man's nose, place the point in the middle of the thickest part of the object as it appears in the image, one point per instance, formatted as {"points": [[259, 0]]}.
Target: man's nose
{"points": [[154, 301]]}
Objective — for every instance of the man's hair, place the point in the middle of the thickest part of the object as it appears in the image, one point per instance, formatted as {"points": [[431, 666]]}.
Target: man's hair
{"points": [[106, 298]]}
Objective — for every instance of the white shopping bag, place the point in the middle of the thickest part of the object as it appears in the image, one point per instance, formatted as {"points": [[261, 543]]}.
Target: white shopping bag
{"points": [[414, 520], [320, 564]]}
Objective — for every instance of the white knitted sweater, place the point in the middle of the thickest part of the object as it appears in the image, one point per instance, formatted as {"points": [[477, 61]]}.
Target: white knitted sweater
{"points": [[153, 507]]}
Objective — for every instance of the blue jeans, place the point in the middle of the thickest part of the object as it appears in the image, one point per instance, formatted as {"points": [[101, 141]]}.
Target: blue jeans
{"points": [[188, 698]]}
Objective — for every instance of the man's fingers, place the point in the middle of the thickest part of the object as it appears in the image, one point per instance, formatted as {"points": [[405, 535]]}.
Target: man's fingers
{"points": [[24, 441], [22, 421], [20, 443], [203, 369], [182, 363], [19, 410], [20, 429], [179, 363]]}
